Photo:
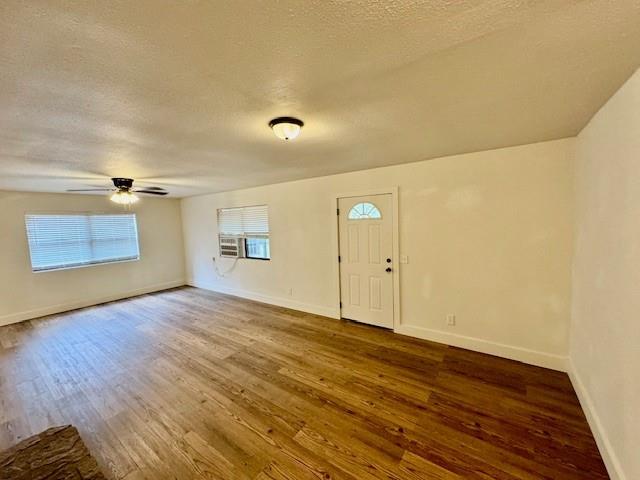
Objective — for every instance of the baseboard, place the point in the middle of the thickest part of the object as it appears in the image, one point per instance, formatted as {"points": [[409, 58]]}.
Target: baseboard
{"points": [[271, 300], [65, 307], [614, 468], [533, 357]]}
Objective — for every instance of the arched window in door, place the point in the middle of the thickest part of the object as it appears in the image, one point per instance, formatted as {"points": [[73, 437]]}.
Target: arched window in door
{"points": [[364, 211]]}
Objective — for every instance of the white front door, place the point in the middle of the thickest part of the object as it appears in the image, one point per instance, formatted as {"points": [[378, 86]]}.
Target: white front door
{"points": [[366, 262]]}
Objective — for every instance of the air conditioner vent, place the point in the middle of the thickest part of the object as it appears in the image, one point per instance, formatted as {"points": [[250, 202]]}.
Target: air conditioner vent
{"points": [[232, 247]]}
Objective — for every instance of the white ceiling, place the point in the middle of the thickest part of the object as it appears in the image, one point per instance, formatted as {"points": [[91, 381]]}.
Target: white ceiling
{"points": [[180, 93]]}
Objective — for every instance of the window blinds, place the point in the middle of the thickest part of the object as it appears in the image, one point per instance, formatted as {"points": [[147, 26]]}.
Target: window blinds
{"points": [[244, 221], [65, 241]]}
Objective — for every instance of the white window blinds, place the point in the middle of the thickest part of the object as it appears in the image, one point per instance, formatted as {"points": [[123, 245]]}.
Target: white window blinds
{"points": [[65, 241], [244, 221]]}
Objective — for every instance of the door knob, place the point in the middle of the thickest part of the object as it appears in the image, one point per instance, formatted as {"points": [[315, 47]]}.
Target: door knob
{"points": [[388, 269], [388, 260]]}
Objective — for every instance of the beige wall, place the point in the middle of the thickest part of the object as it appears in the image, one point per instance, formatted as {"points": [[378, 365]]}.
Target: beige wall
{"points": [[488, 236], [605, 330], [24, 294]]}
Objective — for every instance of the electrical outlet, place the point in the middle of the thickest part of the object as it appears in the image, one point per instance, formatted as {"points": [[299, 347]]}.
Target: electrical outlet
{"points": [[451, 320], [404, 259]]}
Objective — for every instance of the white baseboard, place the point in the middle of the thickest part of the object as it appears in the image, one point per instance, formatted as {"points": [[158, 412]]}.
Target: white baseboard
{"points": [[614, 468], [533, 357], [65, 307], [271, 300]]}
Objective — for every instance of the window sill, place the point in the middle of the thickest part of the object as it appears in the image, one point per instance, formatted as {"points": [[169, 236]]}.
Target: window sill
{"points": [[74, 267]]}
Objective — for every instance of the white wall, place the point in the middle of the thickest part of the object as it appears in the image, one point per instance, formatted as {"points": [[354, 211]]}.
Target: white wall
{"points": [[605, 330], [488, 235], [24, 294]]}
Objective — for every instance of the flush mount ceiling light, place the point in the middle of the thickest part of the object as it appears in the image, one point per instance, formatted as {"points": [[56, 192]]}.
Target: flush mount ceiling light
{"points": [[286, 128]]}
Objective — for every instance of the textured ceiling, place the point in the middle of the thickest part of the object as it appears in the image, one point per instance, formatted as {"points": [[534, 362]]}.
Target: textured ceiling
{"points": [[180, 93]]}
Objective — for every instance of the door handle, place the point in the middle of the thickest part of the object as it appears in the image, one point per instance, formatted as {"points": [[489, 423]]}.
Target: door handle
{"points": [[388, 269]]}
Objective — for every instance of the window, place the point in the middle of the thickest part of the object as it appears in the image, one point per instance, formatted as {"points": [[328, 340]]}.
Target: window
{"points": [[251, 226], [362, 211], [257, 248], [74, 240]]}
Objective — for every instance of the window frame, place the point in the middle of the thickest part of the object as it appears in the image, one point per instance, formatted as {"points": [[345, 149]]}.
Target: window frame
{"points": [[244, 236], [84, 264]]}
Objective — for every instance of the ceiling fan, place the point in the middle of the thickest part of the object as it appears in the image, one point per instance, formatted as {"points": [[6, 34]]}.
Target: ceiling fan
{"points": [[124, 193]]}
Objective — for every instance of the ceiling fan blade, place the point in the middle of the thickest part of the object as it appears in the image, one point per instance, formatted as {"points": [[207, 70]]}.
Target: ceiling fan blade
{"points": [[151, 192], [153, 188], [90, 190]]}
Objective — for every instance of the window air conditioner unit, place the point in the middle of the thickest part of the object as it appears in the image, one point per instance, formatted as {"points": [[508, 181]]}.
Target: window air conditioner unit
{"points": [[232, 247]]}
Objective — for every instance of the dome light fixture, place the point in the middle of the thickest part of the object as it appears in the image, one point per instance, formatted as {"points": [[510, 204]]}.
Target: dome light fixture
{"points": [[286, 128], [124, 197]]}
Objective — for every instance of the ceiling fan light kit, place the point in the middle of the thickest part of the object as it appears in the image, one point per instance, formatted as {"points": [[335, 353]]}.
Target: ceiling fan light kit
{"points": [[124, 198]]}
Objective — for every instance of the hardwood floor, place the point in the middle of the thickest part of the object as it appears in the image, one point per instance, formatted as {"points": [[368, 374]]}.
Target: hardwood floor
{"points": [[191, 384]]}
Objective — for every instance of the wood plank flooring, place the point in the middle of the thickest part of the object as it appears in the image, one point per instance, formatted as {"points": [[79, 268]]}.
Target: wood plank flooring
{"points": [[188, 383]]}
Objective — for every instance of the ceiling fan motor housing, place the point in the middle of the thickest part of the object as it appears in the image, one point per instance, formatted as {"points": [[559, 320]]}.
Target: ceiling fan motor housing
{"points": [[123, 183]]}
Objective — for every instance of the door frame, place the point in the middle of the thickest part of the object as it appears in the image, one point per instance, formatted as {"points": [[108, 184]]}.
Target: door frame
{"points": [[395, 228]]}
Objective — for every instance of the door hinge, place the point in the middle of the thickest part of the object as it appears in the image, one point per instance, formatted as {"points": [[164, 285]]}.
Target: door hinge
{"points": [[337, 211], [339, 258], [340, 304]]}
